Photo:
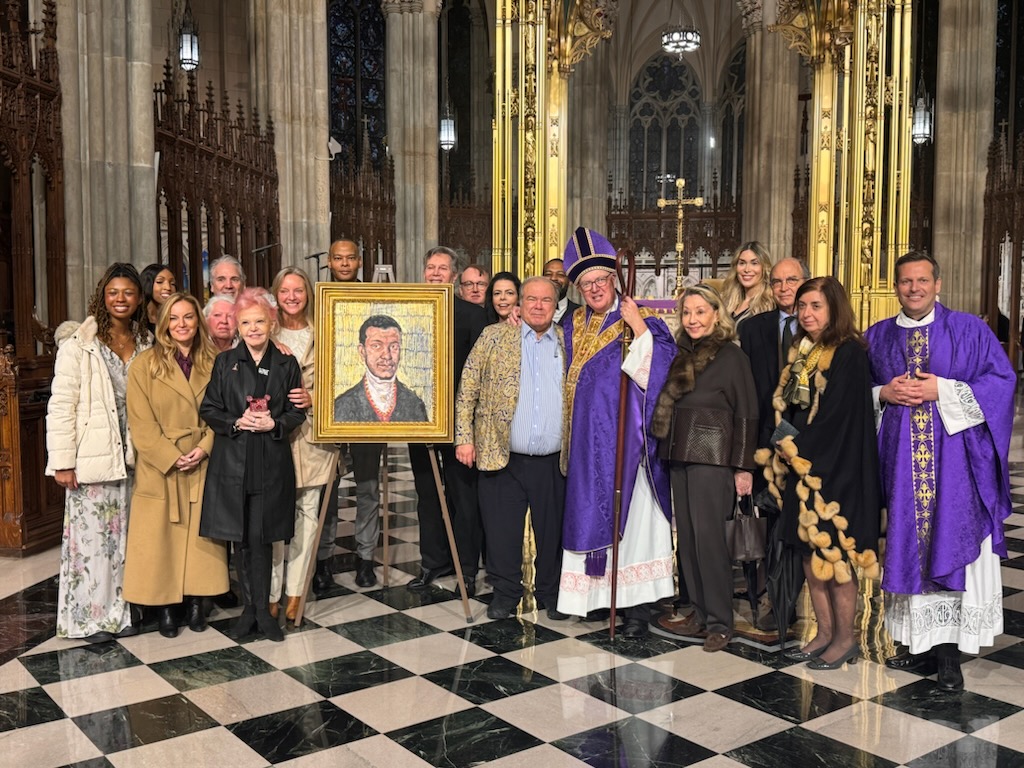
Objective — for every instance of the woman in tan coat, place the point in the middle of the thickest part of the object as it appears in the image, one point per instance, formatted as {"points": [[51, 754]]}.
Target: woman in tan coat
{"points": [[313, 462], [167, 560]]}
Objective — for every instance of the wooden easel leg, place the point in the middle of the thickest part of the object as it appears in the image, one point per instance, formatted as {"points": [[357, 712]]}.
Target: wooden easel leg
{"points": [[384, 511], [329, 488], [451, 533]]}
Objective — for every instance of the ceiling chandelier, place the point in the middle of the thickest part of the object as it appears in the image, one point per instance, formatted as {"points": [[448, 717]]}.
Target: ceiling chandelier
{"points": [[680, 38]]}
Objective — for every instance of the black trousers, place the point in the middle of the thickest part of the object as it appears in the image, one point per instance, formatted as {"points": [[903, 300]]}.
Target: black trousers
{"points": [[527, 481], [366, 474], [461, 489], [703, 497]]}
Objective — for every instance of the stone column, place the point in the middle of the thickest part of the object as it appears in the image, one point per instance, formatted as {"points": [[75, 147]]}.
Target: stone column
{"points": [[772, 130], [964, 112], [104, 47], [413, 128], [483, 106], [587, 199], [288, 66]]}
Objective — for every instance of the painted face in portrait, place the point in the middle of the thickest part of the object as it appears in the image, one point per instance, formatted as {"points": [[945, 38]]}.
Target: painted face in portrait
{"points": [[382, 351]]}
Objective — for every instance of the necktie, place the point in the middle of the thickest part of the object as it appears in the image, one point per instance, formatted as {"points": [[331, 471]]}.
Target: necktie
{"points": [[787, 336]]}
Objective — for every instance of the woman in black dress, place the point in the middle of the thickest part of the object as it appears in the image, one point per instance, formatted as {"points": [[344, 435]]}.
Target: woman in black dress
{"points": [[826, 476]]}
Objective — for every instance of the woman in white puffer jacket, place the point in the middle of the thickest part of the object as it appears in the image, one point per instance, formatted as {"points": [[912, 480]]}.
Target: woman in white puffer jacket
{"points": [[90, 455]]}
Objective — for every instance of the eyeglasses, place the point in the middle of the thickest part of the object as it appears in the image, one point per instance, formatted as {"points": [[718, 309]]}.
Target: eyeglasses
{"points": [[597, 282], [792, 282], [470, 284]]}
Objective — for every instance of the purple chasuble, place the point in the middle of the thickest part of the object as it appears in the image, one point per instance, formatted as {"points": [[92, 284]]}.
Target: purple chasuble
{"points": [[945, 493], [590, 478]]}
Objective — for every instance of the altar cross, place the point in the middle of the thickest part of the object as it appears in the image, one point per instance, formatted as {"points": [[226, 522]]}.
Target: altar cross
{"points": [[680, 201]]}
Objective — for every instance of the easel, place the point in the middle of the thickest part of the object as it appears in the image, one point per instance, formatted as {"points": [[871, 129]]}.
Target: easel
{"points": [[386, 532]]}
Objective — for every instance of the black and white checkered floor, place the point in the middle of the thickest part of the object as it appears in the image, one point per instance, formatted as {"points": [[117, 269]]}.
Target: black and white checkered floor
{"points": [[385, 677]]}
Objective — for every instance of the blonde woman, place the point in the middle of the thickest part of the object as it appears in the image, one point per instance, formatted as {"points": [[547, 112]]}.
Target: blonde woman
{"points": [[745, 289], [294, 293], [167, 561]]}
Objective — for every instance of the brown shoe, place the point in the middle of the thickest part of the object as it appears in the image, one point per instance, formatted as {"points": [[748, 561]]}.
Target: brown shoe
{"points": [[689, 626], [291, 610], [716, 641], [275, 609]]}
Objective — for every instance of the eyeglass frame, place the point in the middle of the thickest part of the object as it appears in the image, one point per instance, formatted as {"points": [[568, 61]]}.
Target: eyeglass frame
{"points": [[597, 282], [791, 281]]}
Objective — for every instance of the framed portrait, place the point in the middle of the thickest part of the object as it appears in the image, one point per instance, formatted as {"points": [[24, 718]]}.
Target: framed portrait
{"points": [[384, 362]]}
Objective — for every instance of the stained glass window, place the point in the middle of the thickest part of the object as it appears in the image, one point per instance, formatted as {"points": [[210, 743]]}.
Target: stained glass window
{"points": [[356, 37]]}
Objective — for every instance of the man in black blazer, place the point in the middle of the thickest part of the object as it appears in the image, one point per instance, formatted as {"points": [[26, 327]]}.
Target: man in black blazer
{"points": [[554, 270], [439, 266], [761, 337]]}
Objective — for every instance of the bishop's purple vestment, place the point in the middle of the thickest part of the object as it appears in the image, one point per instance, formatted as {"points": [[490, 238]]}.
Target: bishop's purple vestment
{"points": [[945, 493]]}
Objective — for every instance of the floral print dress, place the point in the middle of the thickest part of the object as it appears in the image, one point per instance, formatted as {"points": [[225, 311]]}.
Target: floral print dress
{"points": [[89, 596]]}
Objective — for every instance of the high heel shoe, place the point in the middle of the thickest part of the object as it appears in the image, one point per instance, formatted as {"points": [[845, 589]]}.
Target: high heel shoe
{"points": [[850, 656], [291, 610], [797, 654]]}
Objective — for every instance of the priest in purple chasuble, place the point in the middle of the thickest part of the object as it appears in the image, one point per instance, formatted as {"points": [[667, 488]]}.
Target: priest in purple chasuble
{"points": [[593, 344], [944, 389]]}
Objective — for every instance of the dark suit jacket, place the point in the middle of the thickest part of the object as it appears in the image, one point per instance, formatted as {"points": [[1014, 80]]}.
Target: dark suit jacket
{"points": [[759, 338], [470, 321], [352, 405]]}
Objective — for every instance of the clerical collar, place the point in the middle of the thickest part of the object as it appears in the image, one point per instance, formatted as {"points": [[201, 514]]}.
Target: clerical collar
{"points": [[905, 321]]}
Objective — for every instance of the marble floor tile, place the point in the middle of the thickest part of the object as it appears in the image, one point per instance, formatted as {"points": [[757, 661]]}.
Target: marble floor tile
{"points": [[53, 644], [989, 677], [714, 722], [489, 679], [448, 616], [787, 697], [463, 739], [718, 761], [1009, 732], [18, 574], [554, 712], [402, 599], [251, 697], [633, 742], [49, 745], [429, 654], [507, 635], [392, 706], [630, 647], [864, 680], [705, 670], [315, 644], [348, 607], [14, 677], [96, 693], [211, 668], [566, 659], [25, 708], [345, 674], [300, 731], [145, 722], [382, 630], [969, 752], [371, 752], [81, 661], [807, 749], [893, 735], [211, 748], [546, 756], [634, 688], [1013, 577], [966, 711], [152, 646]]}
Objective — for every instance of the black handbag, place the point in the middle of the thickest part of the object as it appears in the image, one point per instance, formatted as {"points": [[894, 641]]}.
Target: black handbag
{"points": [[747, 532]]}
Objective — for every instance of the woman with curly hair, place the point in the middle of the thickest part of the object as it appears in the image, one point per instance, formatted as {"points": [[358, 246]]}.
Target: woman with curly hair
{"points": [[745, 288], [158, 284], [706, 418], [824, 472], [90, 455], [502, 297], [168, 562]]}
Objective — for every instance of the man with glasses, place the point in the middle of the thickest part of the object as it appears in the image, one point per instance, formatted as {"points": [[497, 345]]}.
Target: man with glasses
{"points": [[593, 346], [554, 271], [766, 339], [472, 284]]}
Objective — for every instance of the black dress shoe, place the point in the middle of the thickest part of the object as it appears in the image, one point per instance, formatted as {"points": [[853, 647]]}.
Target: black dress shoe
{"points": [[500, 610], [168, 621], [795, 654], [323, 578], [195, 616], [951, 678], [427, 575], [921, 663], [98, 637], [365, 577], [635, 628], [556, 615], [598, 614]]}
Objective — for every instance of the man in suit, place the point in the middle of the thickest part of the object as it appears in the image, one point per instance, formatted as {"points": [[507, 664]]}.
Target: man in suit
{"points": [[472, 284], [766, 339], [439, 266], [554, 270], [508, 421], [379, 395]]}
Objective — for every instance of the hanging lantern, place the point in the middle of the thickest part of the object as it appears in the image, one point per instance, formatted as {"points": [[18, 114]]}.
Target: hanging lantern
{"points": [[188, 40], [448, 136], [923, 130], [680, 39]]}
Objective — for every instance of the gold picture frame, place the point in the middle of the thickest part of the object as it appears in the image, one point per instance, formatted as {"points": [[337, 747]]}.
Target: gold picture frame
{"points": [[365, 392]]}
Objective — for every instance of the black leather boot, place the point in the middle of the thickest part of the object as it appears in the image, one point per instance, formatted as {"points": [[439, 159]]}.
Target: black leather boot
{"points": [[247, 619], [168, 621], [260, 560], [195, 616], [951, 678]]}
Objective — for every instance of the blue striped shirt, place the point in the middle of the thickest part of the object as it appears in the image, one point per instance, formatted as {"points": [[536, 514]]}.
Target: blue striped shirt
{"points": [[537, 423]]}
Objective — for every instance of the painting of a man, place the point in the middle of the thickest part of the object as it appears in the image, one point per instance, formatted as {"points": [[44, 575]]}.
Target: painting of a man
{"points": [[379, 395]]}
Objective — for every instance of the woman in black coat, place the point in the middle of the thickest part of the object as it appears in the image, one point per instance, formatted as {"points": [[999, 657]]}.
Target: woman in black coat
{"points": [[250, 489]]}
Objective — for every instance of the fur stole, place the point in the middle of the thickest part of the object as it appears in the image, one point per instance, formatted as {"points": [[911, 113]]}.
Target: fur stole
{"points": [[689, 363]]}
